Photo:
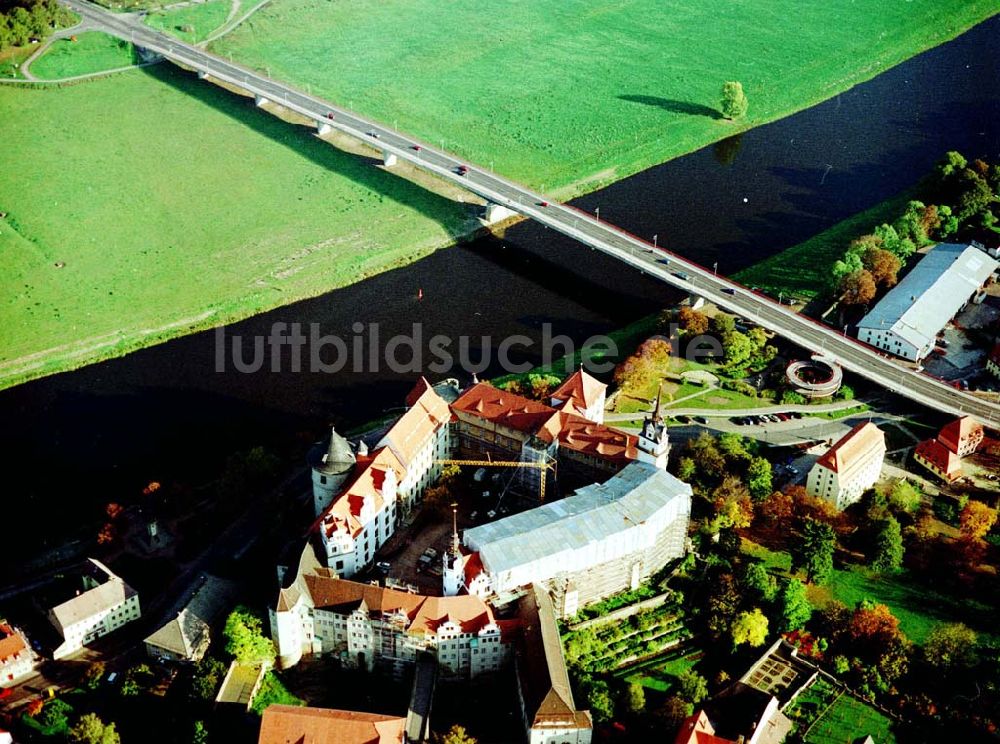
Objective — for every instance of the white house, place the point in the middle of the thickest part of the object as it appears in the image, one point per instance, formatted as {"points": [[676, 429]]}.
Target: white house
{"points": [[17, 660], [850, 467], [105, 604], [364, 626], [906, 321]]}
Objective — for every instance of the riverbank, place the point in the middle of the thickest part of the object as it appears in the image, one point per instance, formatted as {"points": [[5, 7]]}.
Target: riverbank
{"points": [[171, 242]]}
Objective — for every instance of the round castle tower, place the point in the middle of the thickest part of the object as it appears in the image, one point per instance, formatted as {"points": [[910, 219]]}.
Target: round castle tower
{"points": [[330, 469]]}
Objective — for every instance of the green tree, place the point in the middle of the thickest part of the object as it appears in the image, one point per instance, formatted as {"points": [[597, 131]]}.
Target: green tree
{"points": [[455, 735], [723, 323], [757, 579], [813, 551], [672, 712], [691, 686], [199, 734], [794, 605], [750, 628], [846, 392], [208, 675], [244, 638], [759, 478], [55, 716], [737, 349], [599, 699], [92, 677], [90, 729], [888, 553], [849, 264], [686, 469], [734, 100], [634, 699], [951, 647]]}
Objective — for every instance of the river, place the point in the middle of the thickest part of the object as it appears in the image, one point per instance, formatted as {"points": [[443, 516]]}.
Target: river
{"points": [[81, 438]]}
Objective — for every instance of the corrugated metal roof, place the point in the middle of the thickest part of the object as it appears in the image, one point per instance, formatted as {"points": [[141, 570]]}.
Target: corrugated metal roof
{"points": [[591, 514], [930, 295]]}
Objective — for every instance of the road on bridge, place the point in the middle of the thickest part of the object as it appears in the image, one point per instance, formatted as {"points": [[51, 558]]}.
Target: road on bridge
{"points": [[565, 219]]}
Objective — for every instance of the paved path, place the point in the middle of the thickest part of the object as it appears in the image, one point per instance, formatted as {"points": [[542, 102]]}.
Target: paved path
{"points": [[715, 412]]}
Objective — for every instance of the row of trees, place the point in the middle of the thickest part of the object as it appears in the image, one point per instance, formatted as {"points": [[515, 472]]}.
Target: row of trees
{"points": [[965, 198], [24, 20]]}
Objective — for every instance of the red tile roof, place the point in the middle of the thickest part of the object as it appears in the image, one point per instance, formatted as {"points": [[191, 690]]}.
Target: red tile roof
{"points": [[940, 457], [697, 729], [289, 724], [345, 511], [583, 435], [503, 408], [11, 643], [424, 614], [962, 432], [427, 412], [853, 445], [579, 391]]}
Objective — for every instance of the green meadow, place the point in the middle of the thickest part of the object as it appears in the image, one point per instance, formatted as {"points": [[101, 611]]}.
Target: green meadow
{"points": [[192, 23], [92, 51]]}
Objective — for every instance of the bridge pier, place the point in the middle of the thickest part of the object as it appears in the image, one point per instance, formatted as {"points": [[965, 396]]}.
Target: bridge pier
{"points": [[497, 213], [202, 74], [322, 128], [260, 100], [388, 159], [697, 302]]}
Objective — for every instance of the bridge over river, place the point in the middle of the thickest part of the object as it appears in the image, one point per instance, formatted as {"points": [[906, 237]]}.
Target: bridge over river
{"points": [[508, 197]]}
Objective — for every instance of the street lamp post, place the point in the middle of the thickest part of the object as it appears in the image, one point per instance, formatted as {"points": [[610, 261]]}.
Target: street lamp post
{"points": [[597, 213], [654, 240], [715, 269]]}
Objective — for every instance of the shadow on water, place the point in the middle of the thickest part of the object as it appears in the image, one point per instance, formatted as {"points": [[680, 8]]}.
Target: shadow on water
{"points": [[675, 106], [304, 142]]}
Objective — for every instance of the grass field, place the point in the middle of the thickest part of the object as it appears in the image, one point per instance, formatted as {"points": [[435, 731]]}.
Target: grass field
{"points": [[918, 607], [202, 19], [175, 205], [804, 269], [577, 93], [849, 719], [93, 51], [662, 675], [11, 60]]}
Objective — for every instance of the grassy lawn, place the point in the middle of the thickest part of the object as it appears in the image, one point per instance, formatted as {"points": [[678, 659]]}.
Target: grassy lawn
{"points": [[662, 675], [918, 607], [202, 19], [804, 269], [11, 60], [93, 51], [162, 232], [849, 719], [577, 93]]}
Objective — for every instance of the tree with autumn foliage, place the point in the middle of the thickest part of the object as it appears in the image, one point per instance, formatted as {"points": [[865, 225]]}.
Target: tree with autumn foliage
{"points": [[857, 288], [692, 322], [778, 507], [882, 265], [976, 520]]}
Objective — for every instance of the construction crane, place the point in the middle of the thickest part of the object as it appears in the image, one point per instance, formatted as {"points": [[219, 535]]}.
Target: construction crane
{"points": [[543, 466]]}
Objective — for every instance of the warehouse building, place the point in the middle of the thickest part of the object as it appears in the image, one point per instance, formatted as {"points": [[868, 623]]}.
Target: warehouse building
{"points": [[907, 320]]}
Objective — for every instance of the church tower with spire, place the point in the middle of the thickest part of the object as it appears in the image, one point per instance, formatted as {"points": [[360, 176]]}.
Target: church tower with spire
{"points": [[453, 578], [654, 441]]}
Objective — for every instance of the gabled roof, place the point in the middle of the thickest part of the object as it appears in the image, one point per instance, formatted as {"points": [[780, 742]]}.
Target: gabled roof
{"points": [[11, 643], [189, 630], [289, 724], [940, 456], [934, 290], [111, 593], [484, 401], [697, 729], [345, 511], [957, 433], [579, 391], [582, 435], [426, 413], [852, 447], [423, 614], [541, 667]]}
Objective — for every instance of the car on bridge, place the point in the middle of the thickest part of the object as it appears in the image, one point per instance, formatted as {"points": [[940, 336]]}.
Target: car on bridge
{"points": [[462, 170], [329, 115], [681, 275], [729, 290], [417, 148]]}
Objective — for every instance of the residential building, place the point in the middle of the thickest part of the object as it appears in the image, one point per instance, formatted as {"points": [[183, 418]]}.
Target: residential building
{"points": [[739, 714], [957, 439], [17, 660], [581, 394], [906, 321], [605, 538], [938, 459], [104, 604], [188, 633], [993, 361], [850, 467], [366, 626], [548, 712], [283, 724], [360, 497], [962, 436]]}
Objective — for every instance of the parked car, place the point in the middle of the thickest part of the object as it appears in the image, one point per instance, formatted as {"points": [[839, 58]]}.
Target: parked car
{"points": [[783, 417], [474, 516], [479, 475], [383, 566], [796, 414], [701, 419]]}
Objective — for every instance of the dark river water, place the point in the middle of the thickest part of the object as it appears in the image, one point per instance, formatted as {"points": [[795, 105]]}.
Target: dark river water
{"points": [[165, 413]]}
